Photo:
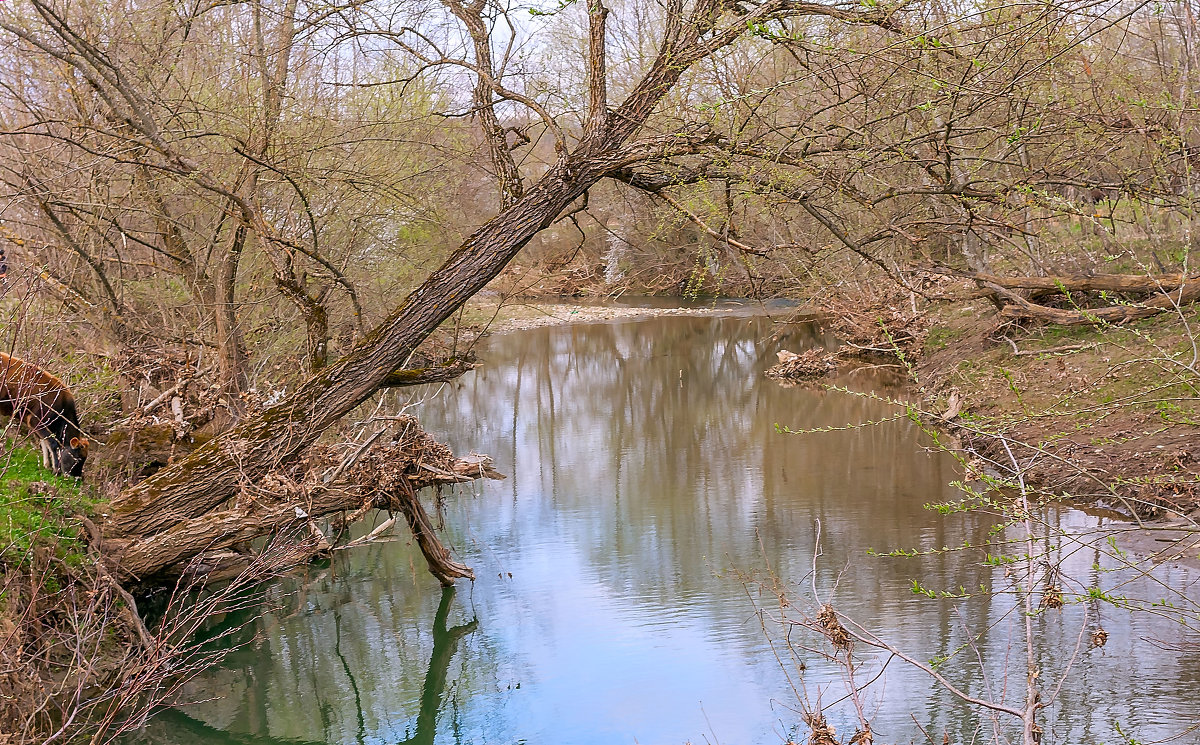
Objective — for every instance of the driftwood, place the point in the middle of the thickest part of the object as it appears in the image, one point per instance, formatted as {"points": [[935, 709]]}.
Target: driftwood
{"points": [[1135, 283], [1166, 292], [807, 365], [436, 555]]}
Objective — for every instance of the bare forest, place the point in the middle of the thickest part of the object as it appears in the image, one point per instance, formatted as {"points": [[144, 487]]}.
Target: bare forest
{"points": [[231, 225]]}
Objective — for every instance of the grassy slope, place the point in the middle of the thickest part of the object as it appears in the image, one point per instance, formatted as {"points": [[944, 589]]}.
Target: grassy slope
{"points": [[36, 508], [1113, 417]]}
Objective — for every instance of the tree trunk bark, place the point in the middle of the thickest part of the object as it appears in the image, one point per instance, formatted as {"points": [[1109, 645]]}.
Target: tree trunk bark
{"points": [[212, 474], [187, 539], [230, 346]]}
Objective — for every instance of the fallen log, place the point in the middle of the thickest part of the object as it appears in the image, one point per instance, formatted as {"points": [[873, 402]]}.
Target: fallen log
{"points": [[1167, 292], [1019, 307], [1133, 283]]}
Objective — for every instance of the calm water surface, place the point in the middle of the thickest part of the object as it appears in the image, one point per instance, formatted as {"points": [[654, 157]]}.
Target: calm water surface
{"points": [[647, 481]]}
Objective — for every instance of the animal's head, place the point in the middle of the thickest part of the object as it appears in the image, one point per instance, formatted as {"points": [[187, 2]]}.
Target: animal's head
{"points": [[72, 456]]}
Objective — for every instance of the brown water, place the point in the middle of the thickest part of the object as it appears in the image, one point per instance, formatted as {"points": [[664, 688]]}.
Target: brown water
{"points": [[646, 479]]}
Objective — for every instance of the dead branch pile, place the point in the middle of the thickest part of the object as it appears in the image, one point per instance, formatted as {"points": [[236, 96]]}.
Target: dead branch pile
{"points": [[885, 321], [401, 457], [165, 385], [807, 365], [383, 471], [871, 321], [172, 404]]}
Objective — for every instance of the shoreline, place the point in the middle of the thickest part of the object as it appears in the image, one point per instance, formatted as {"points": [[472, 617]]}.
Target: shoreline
{"points": [[524, 315]]}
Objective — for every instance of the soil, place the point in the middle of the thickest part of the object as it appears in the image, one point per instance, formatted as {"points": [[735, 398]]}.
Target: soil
{"points": [[1175, 542], [1103, 417]]}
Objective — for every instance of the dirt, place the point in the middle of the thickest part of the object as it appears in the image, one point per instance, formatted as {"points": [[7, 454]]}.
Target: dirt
{"points": [[1103, 418], [1174, 542]]}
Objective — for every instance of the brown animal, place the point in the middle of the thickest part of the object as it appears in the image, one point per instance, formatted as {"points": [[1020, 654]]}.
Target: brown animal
{"points": [[42, 404]]}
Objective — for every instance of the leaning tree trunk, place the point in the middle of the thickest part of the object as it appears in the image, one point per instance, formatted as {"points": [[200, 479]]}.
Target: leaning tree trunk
{"points": [[170, 503], [211, 474]]}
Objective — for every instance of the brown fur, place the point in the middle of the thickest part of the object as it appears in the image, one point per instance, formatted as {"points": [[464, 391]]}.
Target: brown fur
{"points": [[44, 406]]}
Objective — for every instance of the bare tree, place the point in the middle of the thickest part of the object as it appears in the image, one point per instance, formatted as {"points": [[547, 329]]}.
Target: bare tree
{"points": [[890, 134], [168, 516]]}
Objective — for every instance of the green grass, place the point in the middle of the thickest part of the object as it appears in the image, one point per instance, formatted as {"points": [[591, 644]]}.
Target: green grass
{"points": [[940, 337], [1172, 413], [36, 509]]}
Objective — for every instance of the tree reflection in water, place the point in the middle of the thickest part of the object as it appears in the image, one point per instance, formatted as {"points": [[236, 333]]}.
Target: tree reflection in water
{"points": [[174, 726], [643, 466], [445, 641]]}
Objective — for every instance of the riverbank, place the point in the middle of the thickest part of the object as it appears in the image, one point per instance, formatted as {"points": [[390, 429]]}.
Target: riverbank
{"points": [[495, 316], [69, 632], [1102, 417], [1107, 416], [1082, 411], [648, 492]]}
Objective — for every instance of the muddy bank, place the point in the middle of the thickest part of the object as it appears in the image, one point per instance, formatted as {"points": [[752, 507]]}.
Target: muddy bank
{"points": [[1175, 542], [1101, 417]]}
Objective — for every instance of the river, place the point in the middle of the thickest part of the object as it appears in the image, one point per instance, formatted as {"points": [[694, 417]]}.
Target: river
{"points": [[617, 599]]}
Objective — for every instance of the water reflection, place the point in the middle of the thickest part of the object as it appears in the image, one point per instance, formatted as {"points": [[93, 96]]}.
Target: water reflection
{"points": [[445, 641], [646, 478], [173, 725]]}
